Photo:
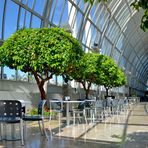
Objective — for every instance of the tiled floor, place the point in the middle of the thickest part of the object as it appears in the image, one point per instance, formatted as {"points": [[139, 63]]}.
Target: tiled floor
{"points": [[128, 130]]}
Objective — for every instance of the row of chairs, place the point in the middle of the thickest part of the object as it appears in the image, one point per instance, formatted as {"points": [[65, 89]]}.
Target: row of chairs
{"points": [[97, 111], [107, 108], [11, 111]]}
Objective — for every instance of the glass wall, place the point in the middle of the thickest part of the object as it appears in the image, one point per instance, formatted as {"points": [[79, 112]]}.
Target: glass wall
{"points": [[110, 26]]}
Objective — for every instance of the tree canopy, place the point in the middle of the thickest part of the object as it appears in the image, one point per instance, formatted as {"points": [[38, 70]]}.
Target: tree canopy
{"points": [[94, 68], [42, 52], [111, 74], [87, 71]]}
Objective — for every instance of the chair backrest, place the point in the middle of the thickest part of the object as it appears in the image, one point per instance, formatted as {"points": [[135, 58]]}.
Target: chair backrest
{"points": [[99, 104], [10, 108], [41, 105]]}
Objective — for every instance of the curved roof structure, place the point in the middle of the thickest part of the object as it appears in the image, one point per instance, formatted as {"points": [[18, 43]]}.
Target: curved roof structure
{"points": [[112, 27]]}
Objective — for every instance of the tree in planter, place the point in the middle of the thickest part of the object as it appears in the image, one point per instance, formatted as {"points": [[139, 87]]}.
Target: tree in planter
{"points": [[41, 52], [111, 74], [87, 71]]}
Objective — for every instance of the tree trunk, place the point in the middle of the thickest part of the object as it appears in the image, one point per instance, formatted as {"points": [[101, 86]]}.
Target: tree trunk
{"points": [[42, 90], [86, 94], [87, 88], [106, 88], [45, 88], [107, 92], [42, 85]]}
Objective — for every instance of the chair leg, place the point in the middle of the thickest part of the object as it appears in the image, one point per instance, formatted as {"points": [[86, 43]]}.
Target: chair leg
{"points": [[40, 128], [79, 118], [74, 118], [49, 127], [22, 132], [1, 131], [12, 133], [25, 129], [44, 130], [84, 114], [59, 122]]}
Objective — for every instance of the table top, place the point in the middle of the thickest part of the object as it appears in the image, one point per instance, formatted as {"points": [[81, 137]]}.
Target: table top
{"points": [[72, 101]]}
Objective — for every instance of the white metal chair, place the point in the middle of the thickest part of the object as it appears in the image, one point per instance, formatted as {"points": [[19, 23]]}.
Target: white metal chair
{"points": [[56, 107], [79, 113], [39, 118]]}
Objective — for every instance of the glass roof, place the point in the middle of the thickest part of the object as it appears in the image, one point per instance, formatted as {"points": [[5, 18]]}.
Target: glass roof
{"points": [[113, 27]]}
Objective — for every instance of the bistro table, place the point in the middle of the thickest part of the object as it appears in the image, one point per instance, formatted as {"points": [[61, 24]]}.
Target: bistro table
{"points": [[68, 107]]}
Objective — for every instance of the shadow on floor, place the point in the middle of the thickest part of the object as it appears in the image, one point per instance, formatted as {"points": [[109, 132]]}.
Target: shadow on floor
{"points": [[136, 140]]}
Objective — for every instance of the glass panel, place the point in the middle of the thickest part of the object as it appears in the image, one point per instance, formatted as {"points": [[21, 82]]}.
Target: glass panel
{"points": [[122, 62], [60, 80], [30, 3], [27, 23], [22, 16], [85, 33], [56, 11], [93, 12], [22, 76], [128, 68], [31, 78], [72, 12], [116, 55], [23, 1], [95, 36], [36, 22], [96, 16], [120, 42], [76, 2], [9, 74], [106, 47], [52, 9], [115, 34], [135, 61], [132, 56], [110, 27], [102, 18], [88, 33], [53, 80], [77, 24], [113, 4], [81, 5], [11, 18], [65, 14], [123, 16], [113, 31], [126, 51], [39, 6]]}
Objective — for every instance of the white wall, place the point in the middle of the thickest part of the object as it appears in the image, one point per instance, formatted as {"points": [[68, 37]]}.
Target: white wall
{"points": [[19, 90]]}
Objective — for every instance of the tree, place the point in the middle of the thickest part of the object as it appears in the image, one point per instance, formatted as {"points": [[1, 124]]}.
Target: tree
{"points": [[111, 75], [43, 52], [137, 4], [87, 71]]}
